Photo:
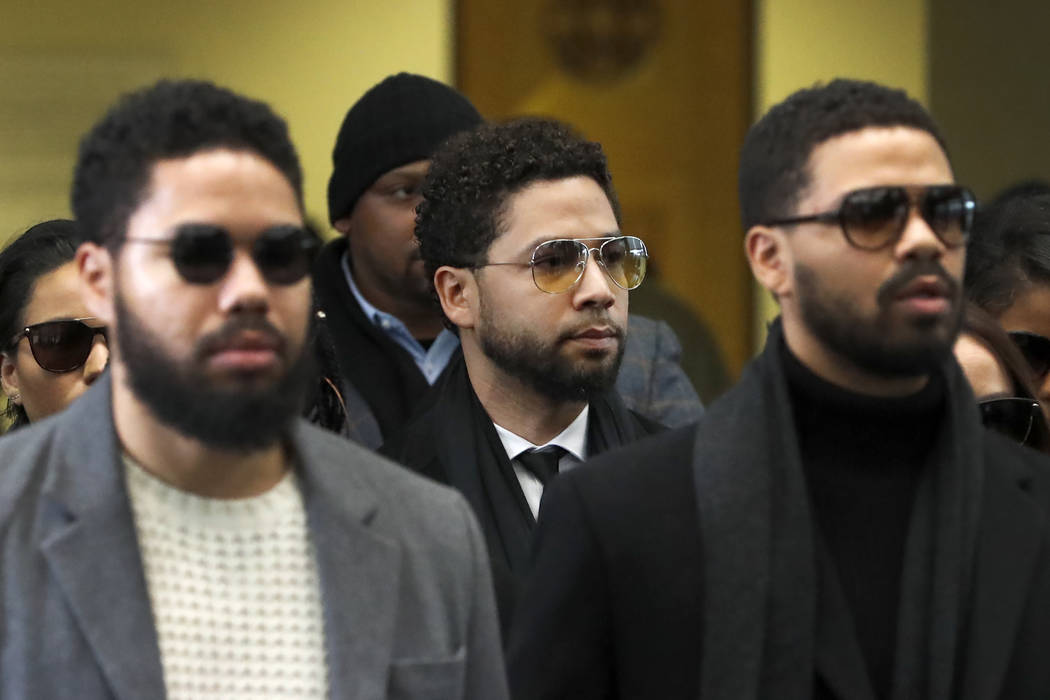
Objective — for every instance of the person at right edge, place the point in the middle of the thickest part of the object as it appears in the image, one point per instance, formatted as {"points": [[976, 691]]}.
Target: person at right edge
{"points": [[839, 525]]}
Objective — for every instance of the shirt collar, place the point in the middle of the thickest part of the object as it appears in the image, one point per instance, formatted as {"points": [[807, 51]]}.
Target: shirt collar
{"points": [[573, 439]]}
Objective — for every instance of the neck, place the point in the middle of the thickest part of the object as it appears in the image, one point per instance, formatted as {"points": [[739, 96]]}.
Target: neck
{"points": [[186, 463], [840, 370], [514, 404], [420, 316]]}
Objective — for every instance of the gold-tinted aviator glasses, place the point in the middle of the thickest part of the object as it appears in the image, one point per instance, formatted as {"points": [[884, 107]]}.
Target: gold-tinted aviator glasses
{"points": [[558, 265]]}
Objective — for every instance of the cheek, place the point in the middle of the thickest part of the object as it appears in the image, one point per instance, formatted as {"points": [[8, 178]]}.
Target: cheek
{"points": [[292, 308], [44, 393]]}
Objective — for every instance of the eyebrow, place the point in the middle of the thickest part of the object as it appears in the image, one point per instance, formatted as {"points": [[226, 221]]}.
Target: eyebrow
{"points": [[544, 239]]}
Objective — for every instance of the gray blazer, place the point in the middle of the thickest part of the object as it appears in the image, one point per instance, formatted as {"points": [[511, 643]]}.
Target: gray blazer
{"points": [[408, 605]]}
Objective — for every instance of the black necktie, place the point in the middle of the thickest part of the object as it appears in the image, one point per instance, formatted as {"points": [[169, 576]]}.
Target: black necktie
{"points": [[542, 462]]}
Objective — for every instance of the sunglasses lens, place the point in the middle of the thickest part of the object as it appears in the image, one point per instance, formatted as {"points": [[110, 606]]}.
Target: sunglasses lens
{"points": [[1012, 417], [949, 212], [202, 253], [284, 254], [1036, 351], [873, 217], [558, 265], [625, 259], [60, 346]]}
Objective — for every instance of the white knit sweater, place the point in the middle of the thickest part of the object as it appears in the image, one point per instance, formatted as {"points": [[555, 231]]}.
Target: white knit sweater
{"points": [[234, 589]]}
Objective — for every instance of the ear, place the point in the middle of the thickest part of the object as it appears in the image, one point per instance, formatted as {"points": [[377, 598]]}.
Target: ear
{"points": [[770, 259], [457, 289], [342, 225], [9, 378], [97, 283]]}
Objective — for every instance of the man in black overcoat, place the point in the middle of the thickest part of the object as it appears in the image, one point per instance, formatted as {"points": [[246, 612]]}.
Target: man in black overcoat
{"points": [[520, 230], [839, 525]]}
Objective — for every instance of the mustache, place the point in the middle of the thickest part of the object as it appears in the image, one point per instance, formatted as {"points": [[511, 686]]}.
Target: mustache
{"points": [[911, 270], [225, 335], [598, 318]]}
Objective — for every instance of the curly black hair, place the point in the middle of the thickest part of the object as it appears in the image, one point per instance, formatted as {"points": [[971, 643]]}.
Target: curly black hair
{"points": [[474, 173], [1009, 250], [775, 155], [170, 119]]}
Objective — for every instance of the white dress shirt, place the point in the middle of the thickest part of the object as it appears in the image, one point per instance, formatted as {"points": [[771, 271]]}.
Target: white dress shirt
{"points": [[573, 440]]}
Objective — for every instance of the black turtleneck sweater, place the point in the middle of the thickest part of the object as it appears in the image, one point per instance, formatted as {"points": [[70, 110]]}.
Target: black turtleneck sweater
{"points": [[862, 457]]}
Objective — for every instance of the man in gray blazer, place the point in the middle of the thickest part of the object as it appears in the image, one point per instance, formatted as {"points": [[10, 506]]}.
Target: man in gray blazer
{"points": [[179, 532]]}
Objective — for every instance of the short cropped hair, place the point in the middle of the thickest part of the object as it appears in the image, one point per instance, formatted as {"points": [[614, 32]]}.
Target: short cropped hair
{"points": [[170, 119], [473, 175], [1009, 251], [774, 159]]}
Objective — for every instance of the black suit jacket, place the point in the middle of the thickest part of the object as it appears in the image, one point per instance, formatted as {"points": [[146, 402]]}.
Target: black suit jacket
{"points": [[453, 441], [613, 606]]}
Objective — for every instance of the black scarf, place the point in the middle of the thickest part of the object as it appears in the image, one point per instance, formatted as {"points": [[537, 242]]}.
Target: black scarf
{"points": [[453, 441], [773, 610], [381, 370]]}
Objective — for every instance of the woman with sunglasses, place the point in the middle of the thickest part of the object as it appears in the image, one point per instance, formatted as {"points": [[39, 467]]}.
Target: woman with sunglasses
{"points": [[1001, 380], [50, 348], [1008, 274]]}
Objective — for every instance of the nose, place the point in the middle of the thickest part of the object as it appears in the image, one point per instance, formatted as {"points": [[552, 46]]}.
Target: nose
{"points": [[243, 289], [97, 360], [918, 240], [594, 287]]}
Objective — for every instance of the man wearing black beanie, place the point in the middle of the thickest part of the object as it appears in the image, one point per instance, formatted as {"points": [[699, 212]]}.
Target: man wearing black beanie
{"points": [[382, 341]]}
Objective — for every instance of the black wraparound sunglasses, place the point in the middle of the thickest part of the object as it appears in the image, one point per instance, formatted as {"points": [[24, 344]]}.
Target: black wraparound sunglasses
{"points": [[202, 253], [60, 346], [875, 217], [1012, 416]]}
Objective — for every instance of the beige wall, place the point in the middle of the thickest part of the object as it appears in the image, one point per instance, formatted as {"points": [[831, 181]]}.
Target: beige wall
{"points": [[988, 89], [800, 42], [63, 61]]}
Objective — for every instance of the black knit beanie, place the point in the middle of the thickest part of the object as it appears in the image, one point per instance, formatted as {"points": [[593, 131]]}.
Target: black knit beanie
{"points": [[401, 120]]}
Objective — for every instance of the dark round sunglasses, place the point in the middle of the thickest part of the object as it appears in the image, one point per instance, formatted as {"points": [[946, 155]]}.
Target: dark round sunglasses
{"points": [[203, 253], [875, 217], [558, 265], [60, 346], [1014, 417], [1036, 351]]}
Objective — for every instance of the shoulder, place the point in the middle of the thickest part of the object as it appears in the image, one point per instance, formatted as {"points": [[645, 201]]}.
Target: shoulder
{"points": [[407, 504], [657, 335], [1028, 467], [643, 479], [25, 456]]}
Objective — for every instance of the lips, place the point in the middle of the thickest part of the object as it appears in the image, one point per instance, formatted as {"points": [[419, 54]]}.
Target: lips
{"points": [[597, 333], [925, 287], [246, 351], [926, 294]]}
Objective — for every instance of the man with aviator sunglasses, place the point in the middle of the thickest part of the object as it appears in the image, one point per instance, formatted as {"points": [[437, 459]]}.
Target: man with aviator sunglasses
{"points": [[179, 531], [382, 341], [839, 525], [519, 228]]}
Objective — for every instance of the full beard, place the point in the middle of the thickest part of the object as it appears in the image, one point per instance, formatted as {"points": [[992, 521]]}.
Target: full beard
{"points": [[248, 415], [884, 346], [542, 366]]}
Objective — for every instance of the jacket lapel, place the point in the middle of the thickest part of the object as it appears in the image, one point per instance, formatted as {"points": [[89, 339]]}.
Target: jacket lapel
{"points": [[359, 568], [1007, 549], [89, 542]]}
